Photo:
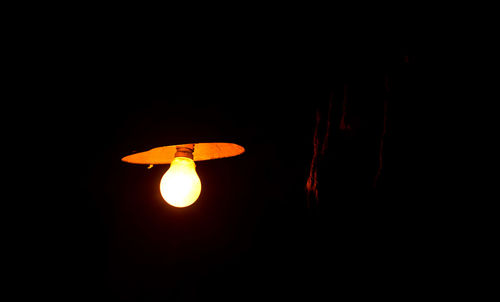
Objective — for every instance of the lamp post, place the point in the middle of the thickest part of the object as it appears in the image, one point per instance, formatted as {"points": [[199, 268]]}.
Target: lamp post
{"points": [[180, 186]]}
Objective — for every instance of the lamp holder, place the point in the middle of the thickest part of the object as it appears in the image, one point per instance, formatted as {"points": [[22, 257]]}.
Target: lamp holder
{"points": [[184, 151]]}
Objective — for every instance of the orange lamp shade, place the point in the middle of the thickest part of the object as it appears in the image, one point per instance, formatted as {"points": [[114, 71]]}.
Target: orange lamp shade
{"points": [[202, 151]]}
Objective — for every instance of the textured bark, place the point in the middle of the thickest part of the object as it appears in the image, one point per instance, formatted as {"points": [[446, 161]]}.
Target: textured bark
{"points": [[319, 149], [312, 180]]}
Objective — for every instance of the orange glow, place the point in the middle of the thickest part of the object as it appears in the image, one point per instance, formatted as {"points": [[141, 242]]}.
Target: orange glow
{"points": [[180, 186]]}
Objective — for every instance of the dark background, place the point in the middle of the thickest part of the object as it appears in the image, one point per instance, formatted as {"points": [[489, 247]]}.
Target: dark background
{"points": [[251, 234]]}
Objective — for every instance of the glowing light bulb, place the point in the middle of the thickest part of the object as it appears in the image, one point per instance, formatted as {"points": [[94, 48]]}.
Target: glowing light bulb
{"points": [[180, 186]]}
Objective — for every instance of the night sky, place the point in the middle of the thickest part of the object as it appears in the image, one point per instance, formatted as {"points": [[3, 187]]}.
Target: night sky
{"points": [[253, 233]]}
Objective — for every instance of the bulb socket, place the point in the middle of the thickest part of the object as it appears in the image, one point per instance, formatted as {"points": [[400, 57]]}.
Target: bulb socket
{"points": [[185, 151]]}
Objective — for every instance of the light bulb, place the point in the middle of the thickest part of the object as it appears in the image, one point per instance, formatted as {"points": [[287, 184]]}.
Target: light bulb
{"points": [[180, 186]]}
